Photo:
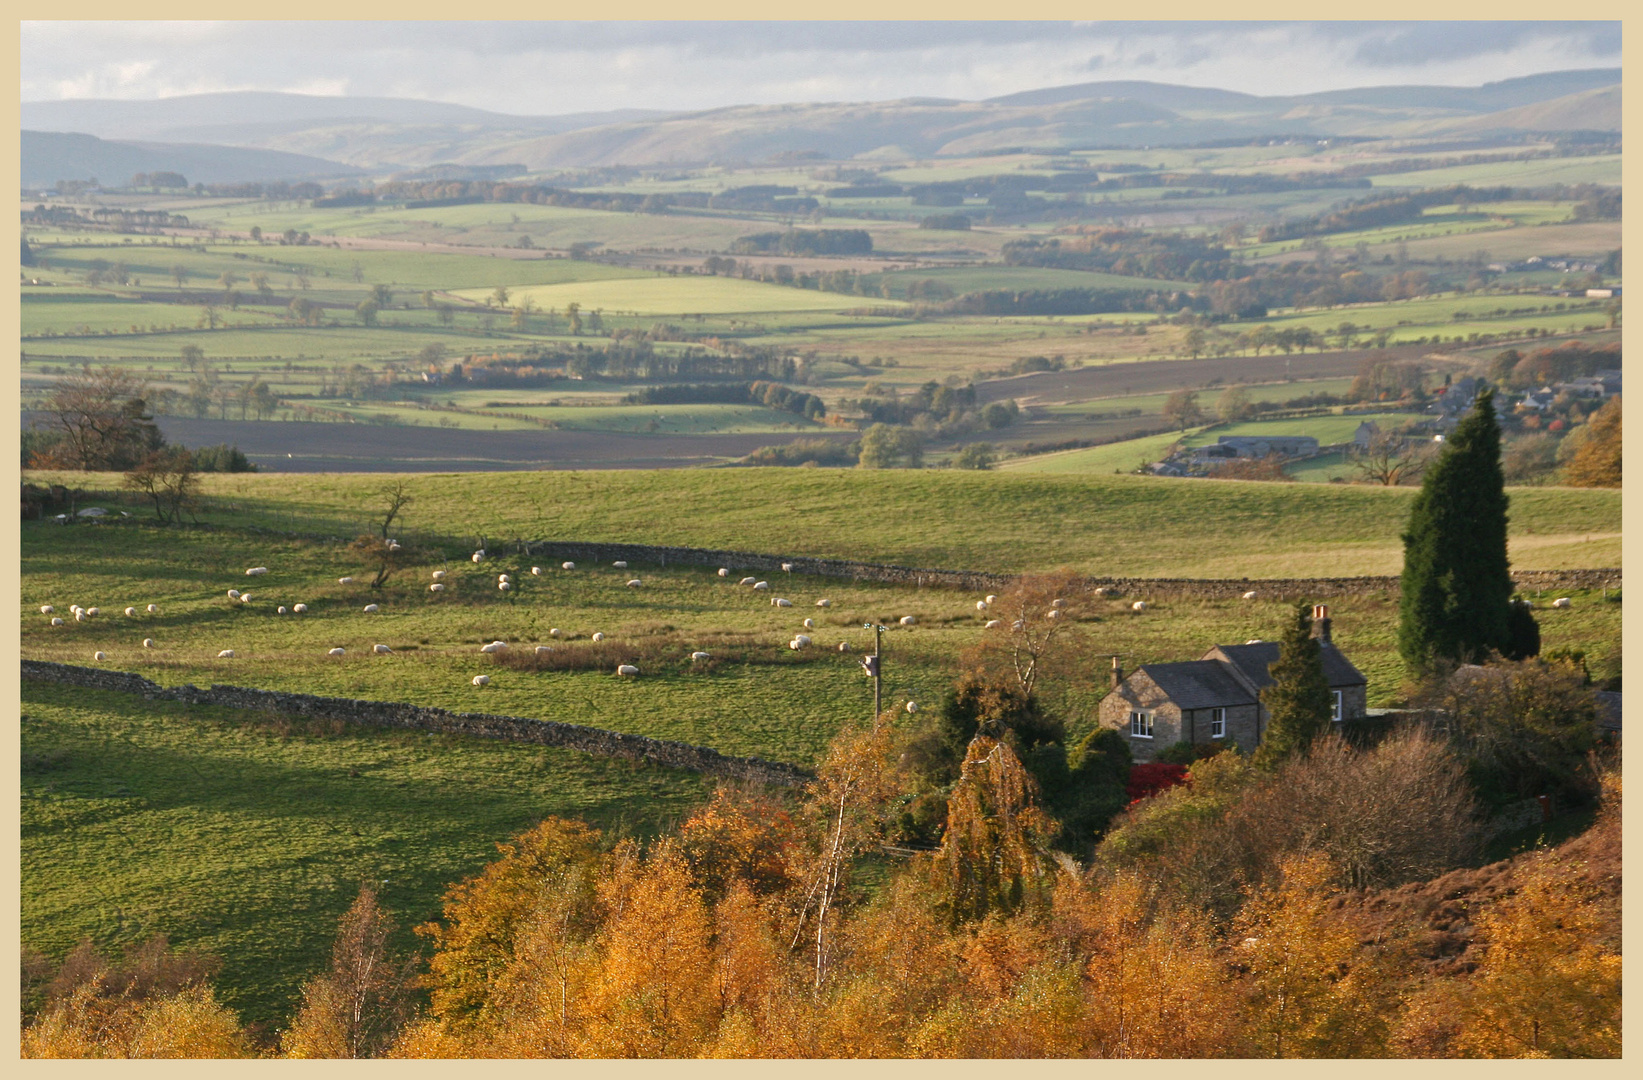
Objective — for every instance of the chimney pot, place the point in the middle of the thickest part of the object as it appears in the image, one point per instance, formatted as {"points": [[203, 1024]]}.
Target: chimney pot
{"points": [[1321, 623], [1117, 673]]}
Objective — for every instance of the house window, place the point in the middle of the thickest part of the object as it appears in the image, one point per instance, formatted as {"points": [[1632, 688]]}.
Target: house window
{"points": [[1217, 723], [1335, 707], [1141, 725]]}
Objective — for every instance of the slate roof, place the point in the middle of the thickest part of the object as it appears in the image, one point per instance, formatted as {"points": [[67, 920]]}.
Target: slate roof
{"points": [[1253, 660], [1198, 684]]}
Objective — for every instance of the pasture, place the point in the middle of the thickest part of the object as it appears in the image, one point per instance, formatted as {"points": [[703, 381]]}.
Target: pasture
{"points": [[667, 295]]}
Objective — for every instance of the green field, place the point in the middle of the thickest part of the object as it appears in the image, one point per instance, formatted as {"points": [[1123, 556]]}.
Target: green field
{"points": [[1598, 169], [1118, 457], [1326, 429], [974, 279], [684, 295]]}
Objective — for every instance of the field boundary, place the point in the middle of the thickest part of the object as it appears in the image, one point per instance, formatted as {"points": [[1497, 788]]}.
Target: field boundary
{"points": [[612, 744]]}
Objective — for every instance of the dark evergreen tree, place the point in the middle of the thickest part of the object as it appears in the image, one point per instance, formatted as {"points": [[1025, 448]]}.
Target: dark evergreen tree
{"points": [[1298, 701], [1456, 585], [1522, 631]]}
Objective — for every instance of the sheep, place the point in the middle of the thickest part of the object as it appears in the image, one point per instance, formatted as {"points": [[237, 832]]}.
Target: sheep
{"points": [[536, 571], [1253, 641], [779, 602], [844, 646], [148, 643], [1139, 605], [345, 581], [794, 644], [598, 637], [981, 605], [912, 706], [1019, 625], [439, 575], [226, 654], [75, 609], [554, 632], [99, 655], [481, 680], [245, 598], [991, 600], [233, 594], [699, 655], [80, 616], [1058, 603], [381, 650], [908, 620], [478, 556], [1562, 602], [993, 624], [787, 568], [1106, 591], [438, 586], [761, 586], [626, 669], [47, 609], [370, 609], [540, 649], [824, 603], [810, 624], [1053, 613], [494, 647], [300, 609], [338, 651], [256, 571], [1250, 595], [57, 620], [504, 585], [393, 545], [635, 583], [724, 571], [802, 639], [503, 577], [620, 564], [567, 566], [154, 609], [747, 581], [131, 612], [280, 610], [92, 613]]}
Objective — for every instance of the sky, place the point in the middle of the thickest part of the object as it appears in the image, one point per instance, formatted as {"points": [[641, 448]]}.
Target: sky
{"points": [[545, 68]]}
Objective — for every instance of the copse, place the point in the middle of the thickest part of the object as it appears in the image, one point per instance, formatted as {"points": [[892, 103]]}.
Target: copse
{"points": [[1456, 585]]}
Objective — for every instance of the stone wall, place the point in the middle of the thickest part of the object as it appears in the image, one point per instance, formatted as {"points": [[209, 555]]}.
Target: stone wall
{"points": [[395, 714]]}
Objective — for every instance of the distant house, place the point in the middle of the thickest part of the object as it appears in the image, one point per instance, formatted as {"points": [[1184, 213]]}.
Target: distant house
{"points": [[1365, 434], [1260, 446], [1216, 698]]}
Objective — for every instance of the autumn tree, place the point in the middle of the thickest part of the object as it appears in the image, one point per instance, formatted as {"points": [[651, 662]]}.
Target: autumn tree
{"points": [[994, 854], [1597, 461], [382, 552], [1181, 408], [355, 1009], [100, 420], [1233, 404], [1390, 460], [169, 477]]}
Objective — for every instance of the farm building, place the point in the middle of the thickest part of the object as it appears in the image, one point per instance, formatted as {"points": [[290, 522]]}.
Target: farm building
{"points": [[1260, 446], [1217, 697]]}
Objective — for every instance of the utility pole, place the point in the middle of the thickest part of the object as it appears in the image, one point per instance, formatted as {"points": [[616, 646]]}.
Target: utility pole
{"points": [[871, 665]]}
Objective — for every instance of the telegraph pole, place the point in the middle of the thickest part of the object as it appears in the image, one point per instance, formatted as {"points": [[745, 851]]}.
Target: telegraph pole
{"points": [[871, 665]]}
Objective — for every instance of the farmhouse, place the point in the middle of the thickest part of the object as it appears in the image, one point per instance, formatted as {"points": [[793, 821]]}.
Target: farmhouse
{"points": [[1216, 699]]}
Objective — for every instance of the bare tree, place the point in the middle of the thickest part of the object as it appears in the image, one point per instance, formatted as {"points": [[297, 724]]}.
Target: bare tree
{"points": [[169, 478], [1391, 460], [355, 1009], [102, 420], [386, 553]]}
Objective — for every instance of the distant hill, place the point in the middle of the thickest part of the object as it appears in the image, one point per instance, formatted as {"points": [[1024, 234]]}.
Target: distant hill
{"points": [[50, 156]]}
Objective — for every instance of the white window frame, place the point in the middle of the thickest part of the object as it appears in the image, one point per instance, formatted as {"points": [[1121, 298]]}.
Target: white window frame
{"points": [[1337, 708], [1218, 723], [1138, 718]]}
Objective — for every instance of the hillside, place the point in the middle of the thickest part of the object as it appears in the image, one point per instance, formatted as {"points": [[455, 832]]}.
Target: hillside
{"points": [[51, 156]]}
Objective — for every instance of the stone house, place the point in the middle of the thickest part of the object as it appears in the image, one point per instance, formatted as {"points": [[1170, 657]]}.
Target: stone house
{"points": [[1216, 698]]}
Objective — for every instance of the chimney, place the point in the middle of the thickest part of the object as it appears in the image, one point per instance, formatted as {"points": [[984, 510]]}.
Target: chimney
{"points": [[1117, 673], [1320, 623]]}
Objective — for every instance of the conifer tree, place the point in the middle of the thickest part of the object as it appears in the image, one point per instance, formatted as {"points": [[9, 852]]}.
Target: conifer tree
{"points": [[1456, 585], [1298, 701]]}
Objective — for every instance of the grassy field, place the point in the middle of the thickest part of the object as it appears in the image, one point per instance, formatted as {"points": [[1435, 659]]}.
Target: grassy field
{"points": [[1598, 169], [973, 279], [685, 295], [1118, 457], [1326, 429]]}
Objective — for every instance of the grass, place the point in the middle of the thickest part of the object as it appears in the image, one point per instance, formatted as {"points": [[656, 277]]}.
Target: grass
{"points": [[973, 279], [1326, 429], [1597, 169], [1113, 458], [686, 295]]}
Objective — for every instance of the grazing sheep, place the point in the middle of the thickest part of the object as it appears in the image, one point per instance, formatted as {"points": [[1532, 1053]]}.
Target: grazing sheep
{"points": [[75, 608], [245, 598], [536, 571], [567, 566], [57, 620], [1106, 591], [912, 706], [338, 651], [148, 643], [810, 624], [503, 577], [1253, 641], [504, 585], [724, 571], [281, 609], [47, 609], [1053, 613], [794, 644], [131, 612], [439, 575], [256, 571], [1019, 625], [598, 637], [844, 646], [233, 594], [345, 581], [993, 624], [393, 545], [626, 669], [554, 632], [981, 605], [787, 568], [300, 609], [1562, 602], [92, 612], [494, 647], [747, 581], [802, 639], [635, 583], [540, 649], [991, 600], [370, 609], [79, 616], [1058, 603], [154, 609], [381, 650], [699, 655], [779, 602], [481, 680], [620, 564], [226, 654], [1139, 605], [438, 586], [1250, 595], [478, 556], [824, 603], [761, 586], [908, 620], [99, 656]]}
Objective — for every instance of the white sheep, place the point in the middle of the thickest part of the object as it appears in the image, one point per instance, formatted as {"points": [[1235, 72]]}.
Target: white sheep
{"points": [[1250, 595], [393, 545], [567, 566], [371, 609], [779, 602], [761, 586], [338, 651], [810, 624], [245, 598], [99, 655], [1058, 603], [536, 571], [75, 609], [635, 583], [794, 644], [504, 585], [345, 581], [381, 650], [131, 612], [981, 605], [626, 669], [747, 581], [233, 594], [912, 706], [991, 600], [148, 643], [57, 620], [481, 680], [908, 620], [598, 636], [92, 613], [1139, 605], [1053, 613], [554, 632], [439, 575], [226, 654], [540, 649], [47, 609], [724, 571], [699, 655], [620, 564], [300, 609], [256, 571], [824, 603], [80, 616], [802, 639], [844, 646], [478, 556], [1019, 625], [280, 610], [1562, 602], [503, 577], [494, 647], [787, 568], [1253, 641], [438, 586], [154, 609], [1106, 591], [993, 624]]}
